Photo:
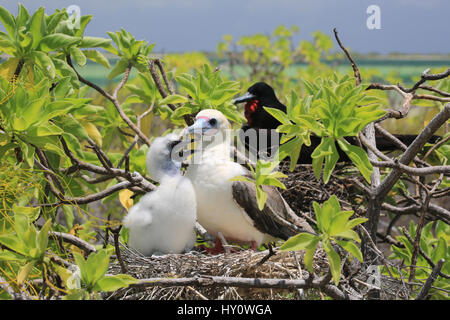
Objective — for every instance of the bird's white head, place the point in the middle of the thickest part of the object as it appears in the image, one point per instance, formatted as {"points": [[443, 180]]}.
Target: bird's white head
{"points": [[161, 160], [210, 122], [213, 128]]}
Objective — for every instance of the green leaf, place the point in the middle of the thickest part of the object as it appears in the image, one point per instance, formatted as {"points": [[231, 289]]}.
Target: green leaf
{"points": [[180, 112], [31, 212], [97, 57], [308, 258], [354, 222], [119, 68], [45, 129], [78, 55], [359, 158], [300, 241], [57, 41], [440, 251], [45, 62], [174, 98], [349, 234], [68, 215], [8, 47], [97, 265], [330, 160], [43, 237], [37, 25], [14, 243], [326, 213], [22, 16], [94, 42], [8, 21], [279, 115], [339, 222], [81, 263], [112, 283], [292, 150], [73, 144], [351, 248], [185, 80], [334, 260], [19, 123], [261, 197], [24, 271], [241, 178]]}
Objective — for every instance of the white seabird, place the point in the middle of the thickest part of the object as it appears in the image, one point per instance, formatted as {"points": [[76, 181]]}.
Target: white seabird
{"points": [[230, 207], [163, 221]]}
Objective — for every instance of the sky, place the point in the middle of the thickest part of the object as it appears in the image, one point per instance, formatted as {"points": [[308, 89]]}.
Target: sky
{"points": [[407, 26]]}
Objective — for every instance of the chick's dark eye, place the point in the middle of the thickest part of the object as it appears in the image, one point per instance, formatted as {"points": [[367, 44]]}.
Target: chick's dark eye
{"points": [[213, 122]]}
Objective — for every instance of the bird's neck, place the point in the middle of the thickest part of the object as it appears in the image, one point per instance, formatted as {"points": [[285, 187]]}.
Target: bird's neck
{"points": [[164, 169], [213, 152]]}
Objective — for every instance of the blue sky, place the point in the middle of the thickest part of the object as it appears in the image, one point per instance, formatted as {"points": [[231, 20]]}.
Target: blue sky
{"points": [[409, 26]]}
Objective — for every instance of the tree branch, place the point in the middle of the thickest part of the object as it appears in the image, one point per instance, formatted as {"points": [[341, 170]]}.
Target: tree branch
{"points": [[211, 281]]}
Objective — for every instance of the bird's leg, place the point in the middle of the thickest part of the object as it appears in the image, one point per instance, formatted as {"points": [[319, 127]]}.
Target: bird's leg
{"points": [[218, 247], [253, 245]]}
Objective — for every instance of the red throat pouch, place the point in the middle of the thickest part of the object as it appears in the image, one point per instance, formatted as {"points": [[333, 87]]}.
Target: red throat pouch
{"points": [[250, 108]]}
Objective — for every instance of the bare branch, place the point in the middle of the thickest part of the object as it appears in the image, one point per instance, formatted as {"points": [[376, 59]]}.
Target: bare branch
{"points": [[114, 100], [355, 68], [154, 73], [80, 243], [413, 149], [124, 80], [433, 89], [424, 77], [92, 197], [411, 170]]}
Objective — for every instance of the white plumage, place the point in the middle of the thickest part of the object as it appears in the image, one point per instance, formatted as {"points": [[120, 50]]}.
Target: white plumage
{"points": [[163, 221], [217, 211]]}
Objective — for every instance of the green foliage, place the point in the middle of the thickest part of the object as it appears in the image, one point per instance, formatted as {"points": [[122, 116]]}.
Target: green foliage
{"points": [[207, 89], [93, 277], [334, 227], [332, 109], [42, 43], [43, 104], [435, 245], [130, 51], [263, 174]]}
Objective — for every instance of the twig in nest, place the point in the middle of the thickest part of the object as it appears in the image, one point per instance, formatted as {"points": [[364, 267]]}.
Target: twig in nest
{"points": [[267, 257], [116, 235]]}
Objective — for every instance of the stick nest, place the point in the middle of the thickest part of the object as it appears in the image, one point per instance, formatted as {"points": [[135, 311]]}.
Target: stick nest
{"points": [[302, 189], [244, 263]]}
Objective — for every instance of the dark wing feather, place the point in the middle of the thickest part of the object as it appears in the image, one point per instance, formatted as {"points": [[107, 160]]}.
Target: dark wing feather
{"points": [[276, 218]]}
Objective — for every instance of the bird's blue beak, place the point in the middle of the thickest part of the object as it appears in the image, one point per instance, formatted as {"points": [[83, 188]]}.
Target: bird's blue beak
{"points": [[200, 125], [246, 97]]}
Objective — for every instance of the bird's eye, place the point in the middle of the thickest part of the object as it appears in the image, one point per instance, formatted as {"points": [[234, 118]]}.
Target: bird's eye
{"points": [[213, 122]]}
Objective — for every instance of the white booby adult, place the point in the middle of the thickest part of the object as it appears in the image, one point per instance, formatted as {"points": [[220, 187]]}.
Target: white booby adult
{"points": [[163, 221], [230, 207]]}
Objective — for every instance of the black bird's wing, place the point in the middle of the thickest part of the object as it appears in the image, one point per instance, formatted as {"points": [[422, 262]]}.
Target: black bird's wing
{"points": [[276, 218]]}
